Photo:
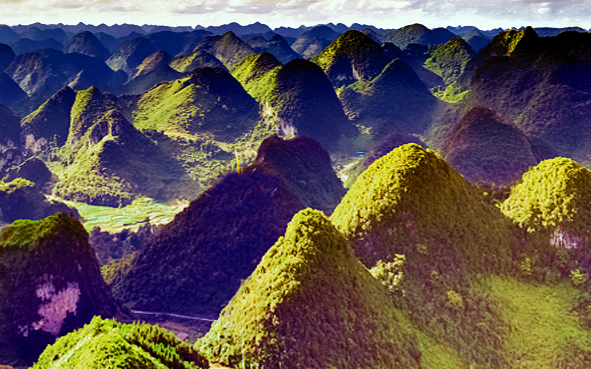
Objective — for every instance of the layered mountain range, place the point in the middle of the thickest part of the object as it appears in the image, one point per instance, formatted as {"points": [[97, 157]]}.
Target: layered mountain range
{"points": [[461, 241]]}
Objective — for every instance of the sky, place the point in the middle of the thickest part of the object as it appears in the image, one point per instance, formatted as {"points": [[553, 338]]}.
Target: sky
{"points": [[484, 14]]}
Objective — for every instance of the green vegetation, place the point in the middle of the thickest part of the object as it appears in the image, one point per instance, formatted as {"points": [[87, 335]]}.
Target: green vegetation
{"points": [[350, 57], [227, 48], [27, 234], [411, 202], [449, 62], [566, 184], [110, 162], [51, 285], [214, 243], [109, 344], [543, 331], [484, 149], [130, 217], [310, 303], [394, 101]]}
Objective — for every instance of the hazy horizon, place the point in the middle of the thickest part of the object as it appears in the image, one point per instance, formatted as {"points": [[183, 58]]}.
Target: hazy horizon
{"points": [[294, 13]]}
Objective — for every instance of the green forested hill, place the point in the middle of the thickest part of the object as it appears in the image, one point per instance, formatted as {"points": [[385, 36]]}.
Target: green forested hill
{"points": [[311, 303], [50, 284], [109, 344]]}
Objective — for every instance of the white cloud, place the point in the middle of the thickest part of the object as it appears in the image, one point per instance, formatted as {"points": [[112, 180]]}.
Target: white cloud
{"points": [[383, 13]]}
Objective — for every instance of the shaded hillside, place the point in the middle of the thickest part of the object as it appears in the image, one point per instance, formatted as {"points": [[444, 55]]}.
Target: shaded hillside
{"points": [[107, 343], [312, 42], [10, 128], [310, 303], [130, 54], [412, 203], [48, 126], [351, 57], [10, 91], [276, 45], [227, 48], [219, 239], [186, 63], [26, 45], [34, 72], [6, 56], [176, 43], [297, 97], [484, 149], [476, 39], [153, 70], [395, 100], [86, 43], [22, 199], [306, 167], [109, 161], [208, 101], [449, 61], [381, 147], [417, 34], [51, 285], [540, 84]]}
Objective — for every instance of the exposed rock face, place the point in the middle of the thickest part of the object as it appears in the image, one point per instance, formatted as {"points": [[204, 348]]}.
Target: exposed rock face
{"points": [[51, 285]]}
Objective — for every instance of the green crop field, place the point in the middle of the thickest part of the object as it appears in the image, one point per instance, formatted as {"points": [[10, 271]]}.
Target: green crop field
{"points": [[131, 216]]}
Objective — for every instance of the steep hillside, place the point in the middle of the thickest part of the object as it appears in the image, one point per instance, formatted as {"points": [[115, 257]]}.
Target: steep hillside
{"points": [[153, 70], [33, 72], [108, 344], [396, 100], [411, 207], [22, 199], [540, 84], [229, 228], [276, 45], [10, 91], [417, 34], [484, 149], [551, 206], [310, 303], [51, 285], [130, 54], [297, 98], [49, 125], [86, 43], [10, 128], [109, 161], [312, 42], [381, 147], [6, 56], [476, 39], [227, 48], [351, 57], [449, 61], [208, 101], [198, 59]]}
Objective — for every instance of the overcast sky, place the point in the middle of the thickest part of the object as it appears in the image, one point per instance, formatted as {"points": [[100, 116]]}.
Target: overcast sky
{"points": [[381, 13]]}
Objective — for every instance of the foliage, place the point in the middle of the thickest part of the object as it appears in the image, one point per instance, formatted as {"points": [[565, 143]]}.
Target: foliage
{"points": [[42, 262], [578, 278], [543, 330], [218, 239], [350, 57], [109, 344], [411, 202], [484, 149], [560, 180], [310, 303], [396, 99]]}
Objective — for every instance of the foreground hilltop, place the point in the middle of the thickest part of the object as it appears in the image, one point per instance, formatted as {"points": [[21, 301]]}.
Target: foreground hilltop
{"points": [[51, 285], [311, 303], [220, 237]]}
